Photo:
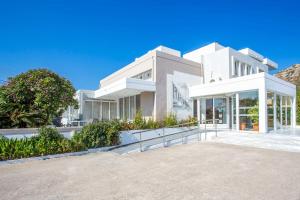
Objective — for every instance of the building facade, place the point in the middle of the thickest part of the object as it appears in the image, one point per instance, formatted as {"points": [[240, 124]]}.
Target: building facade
{"points": [[214, 83]]}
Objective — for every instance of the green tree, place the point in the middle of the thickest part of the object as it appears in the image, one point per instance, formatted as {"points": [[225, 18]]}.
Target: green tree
{"points": [[34, 99]]}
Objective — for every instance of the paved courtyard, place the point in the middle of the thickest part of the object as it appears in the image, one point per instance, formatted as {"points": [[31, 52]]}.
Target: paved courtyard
{"points": [[190, 171]]}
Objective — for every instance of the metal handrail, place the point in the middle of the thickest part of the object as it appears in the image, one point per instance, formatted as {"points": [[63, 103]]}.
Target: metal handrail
{"points": [[199, 135]]}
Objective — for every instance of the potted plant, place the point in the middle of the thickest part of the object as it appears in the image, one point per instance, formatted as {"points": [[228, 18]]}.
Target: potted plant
{"points": [[253, 112], [243, 126]]}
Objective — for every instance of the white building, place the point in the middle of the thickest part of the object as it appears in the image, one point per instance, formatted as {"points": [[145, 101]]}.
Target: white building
{"points": [[214, 83]]}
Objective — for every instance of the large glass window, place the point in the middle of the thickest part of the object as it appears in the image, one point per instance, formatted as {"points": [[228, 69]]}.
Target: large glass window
{"points": [[113, 110], [87, 111], [195, 108], [220, 110], [248, 103], [270, 107], [138, 102], [278, 112], [132, 107], [288, 110], [233, 111], [126, 108], [105, 110], [121, 108], [209, 111]]}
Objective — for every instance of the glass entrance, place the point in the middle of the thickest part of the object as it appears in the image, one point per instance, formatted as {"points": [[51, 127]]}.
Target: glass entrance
{"points": [[213, 109]]}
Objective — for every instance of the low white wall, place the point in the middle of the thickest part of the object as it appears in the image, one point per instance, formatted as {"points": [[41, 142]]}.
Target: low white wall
{"points": [[126, 137], [29, 132]]}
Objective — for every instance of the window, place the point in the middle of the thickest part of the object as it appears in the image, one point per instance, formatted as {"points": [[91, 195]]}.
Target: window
{"points": [[138, 102], [195, 108], [243, 69], [236, 68], [209, 111], [113, 110], [252, 70], [105, 110], [128, 107], [249, 110], [121, 108], [248, 69], [220, 110]]}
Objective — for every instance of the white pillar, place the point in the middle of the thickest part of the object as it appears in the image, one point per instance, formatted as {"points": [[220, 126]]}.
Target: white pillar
{"points": [[286, 99], [198, 110], [214, 117], [293, 109], [263, 112], [275, 112], [237, 110], [118, 109], [280, 111], [227, 112]]}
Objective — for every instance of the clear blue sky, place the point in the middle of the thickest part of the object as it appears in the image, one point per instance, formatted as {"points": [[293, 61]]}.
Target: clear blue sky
{"points": [[87, 40]]}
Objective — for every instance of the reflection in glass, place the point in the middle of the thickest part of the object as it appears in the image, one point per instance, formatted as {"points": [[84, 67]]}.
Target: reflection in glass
{"points": [[220, 110], [270, 100], [209, 110], [248, 110]]}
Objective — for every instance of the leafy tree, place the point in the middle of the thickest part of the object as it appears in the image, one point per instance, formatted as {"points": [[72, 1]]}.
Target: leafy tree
{"points": [[34, 99]]}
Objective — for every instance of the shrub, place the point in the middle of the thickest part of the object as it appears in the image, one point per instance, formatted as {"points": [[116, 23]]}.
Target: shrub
{"points": [[98, 134], [50, 141], [190, 121], [170, 120], [151, 124], [139, 122], [125, 125]]}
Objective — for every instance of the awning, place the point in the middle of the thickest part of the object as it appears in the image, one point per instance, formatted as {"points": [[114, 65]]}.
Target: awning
{"points": [[125, 87], [257, 81]]}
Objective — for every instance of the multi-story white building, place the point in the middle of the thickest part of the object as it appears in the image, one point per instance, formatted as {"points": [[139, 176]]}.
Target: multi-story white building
{"points": [[214, 83]]}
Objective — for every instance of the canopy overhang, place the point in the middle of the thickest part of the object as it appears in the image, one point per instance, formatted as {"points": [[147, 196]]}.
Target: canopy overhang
{"points": [[260, 81], [125, 87]]}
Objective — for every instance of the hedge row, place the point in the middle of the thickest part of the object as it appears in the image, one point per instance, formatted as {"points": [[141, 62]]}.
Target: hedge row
{"points": [[50, 141]]}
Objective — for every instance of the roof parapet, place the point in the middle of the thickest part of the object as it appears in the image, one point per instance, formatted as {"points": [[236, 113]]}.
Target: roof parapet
{"points": [[270, 63], [252, 53]]}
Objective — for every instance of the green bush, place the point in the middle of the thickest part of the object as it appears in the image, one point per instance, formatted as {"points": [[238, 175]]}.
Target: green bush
{"points": [[139, 122], [50, 141], [170, 120], [98, 134], [151, 124], [190, 121]]}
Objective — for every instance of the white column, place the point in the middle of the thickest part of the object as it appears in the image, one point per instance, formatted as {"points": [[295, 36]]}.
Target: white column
{"points": [[237, 110], [263, 112], [227, 112], [274, 112], [286, 99], [214, 117], [280, 111], [118, 109], [293, 109], [198, 110]]}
